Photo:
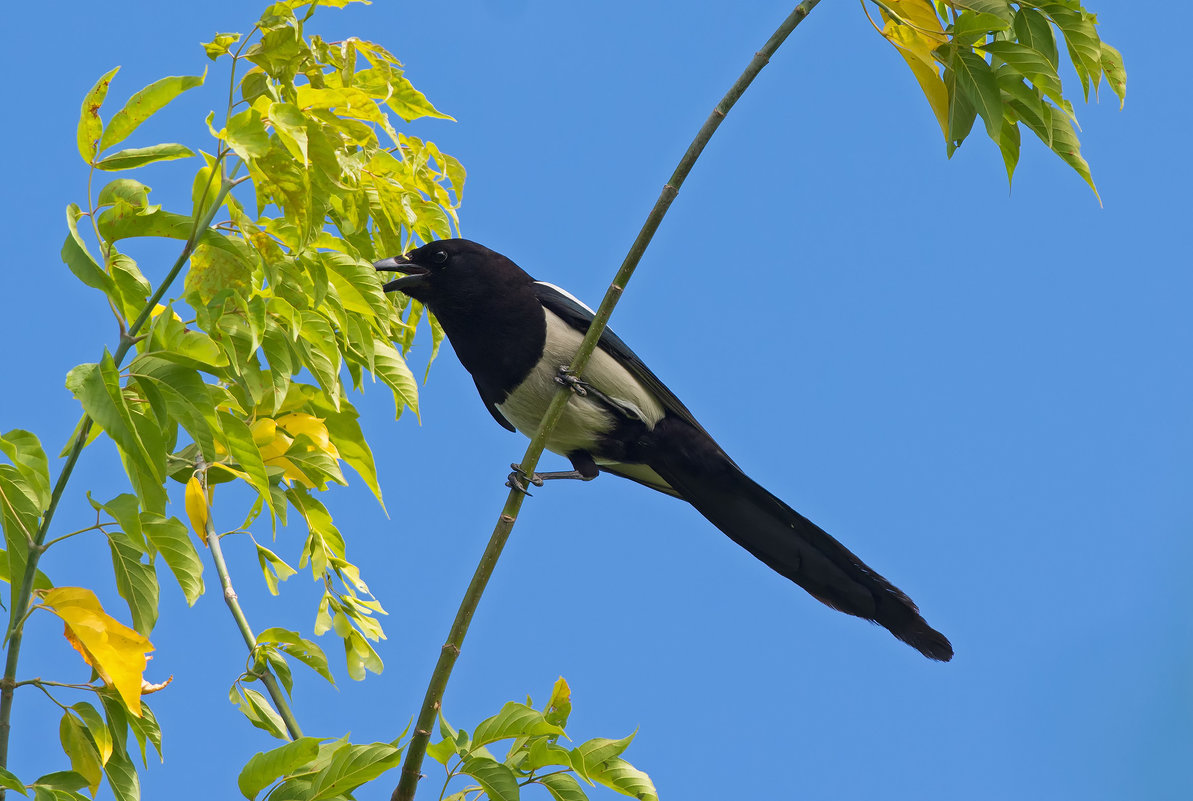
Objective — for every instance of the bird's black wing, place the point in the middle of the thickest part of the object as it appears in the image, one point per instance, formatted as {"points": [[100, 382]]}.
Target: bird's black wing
{"points": [[579, 316]]}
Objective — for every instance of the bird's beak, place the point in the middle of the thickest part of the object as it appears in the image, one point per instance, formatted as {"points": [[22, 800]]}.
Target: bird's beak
{"points": [[414, 275]]}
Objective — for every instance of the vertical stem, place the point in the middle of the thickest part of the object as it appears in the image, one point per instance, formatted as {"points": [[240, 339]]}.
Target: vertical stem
{"points": [[412, 765]]}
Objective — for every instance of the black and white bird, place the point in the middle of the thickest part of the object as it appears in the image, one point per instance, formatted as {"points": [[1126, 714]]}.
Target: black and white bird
{"points": [[514, 334]]}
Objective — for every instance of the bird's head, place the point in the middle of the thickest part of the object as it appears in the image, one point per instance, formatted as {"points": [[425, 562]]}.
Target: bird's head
{"points": [[452, 272]]}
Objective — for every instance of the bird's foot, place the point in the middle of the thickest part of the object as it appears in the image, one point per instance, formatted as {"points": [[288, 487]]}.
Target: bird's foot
{"points": [[518, 480], [565, 377]]}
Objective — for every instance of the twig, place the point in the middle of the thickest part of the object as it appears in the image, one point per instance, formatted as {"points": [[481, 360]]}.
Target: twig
{"points": [[242, 623], [412, 765]]}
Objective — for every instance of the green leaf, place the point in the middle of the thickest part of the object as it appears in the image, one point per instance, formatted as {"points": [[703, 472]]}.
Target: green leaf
{"points": [[258, 710], [1116, 73], [1031, 63], [302, 649], [352, 766], [442, 751], [1032, 29], [62, 783], [264, 768], [78, 747], [145, 104], [40, 580], [514, 720], [1066, 145], [273, 567], [7, 779], [563, 787], [961, 114], [119, 223], [498, 781], [1081, 37], [76, 256], [135, 581], [91, 126], [122, 777], [185, 395], [976, 81], [25, 451], [601, 749], [146, 729], [999, 8], [97, 728], [974, 27], [20, 516], [625, 779], [169, 536], [291, 125], [542, 752], [1008, 145], [131, 285], [138, 156], [246, 135], [215, 269], [247, 454], [392, 370], [97, 387], [345, 433], [220, 44], [360, 656]]}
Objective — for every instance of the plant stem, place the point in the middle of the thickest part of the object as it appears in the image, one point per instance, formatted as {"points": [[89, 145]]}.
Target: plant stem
{"points": [[21, 598], [242, 623], [412, 765]]}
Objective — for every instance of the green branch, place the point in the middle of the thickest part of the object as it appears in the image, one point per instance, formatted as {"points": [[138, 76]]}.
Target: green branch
{"points": [[242, 623], [412, 765], [22, 597]]}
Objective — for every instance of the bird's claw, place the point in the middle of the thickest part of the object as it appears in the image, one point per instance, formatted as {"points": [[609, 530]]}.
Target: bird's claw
{"points": [[567, 378], [518, 478]]}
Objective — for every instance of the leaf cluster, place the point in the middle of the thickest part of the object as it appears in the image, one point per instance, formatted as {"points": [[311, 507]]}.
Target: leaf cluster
{"points": [[999, 60], [535, 756]]}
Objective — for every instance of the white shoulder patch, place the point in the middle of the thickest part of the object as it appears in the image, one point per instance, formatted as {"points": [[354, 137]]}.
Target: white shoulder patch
{"points": [[567, 294]]}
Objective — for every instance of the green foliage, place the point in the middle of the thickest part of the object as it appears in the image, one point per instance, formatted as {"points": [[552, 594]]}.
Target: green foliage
{"points": [[244, 375], [535, 756], [998, 60]]}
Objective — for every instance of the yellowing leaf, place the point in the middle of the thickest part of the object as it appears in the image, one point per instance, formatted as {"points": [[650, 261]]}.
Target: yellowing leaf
{"points": [[115, 651], [915, 44], [196, 506]]}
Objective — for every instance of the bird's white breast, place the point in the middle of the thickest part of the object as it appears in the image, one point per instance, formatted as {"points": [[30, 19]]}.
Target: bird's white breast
{"points": [[585, 417]]}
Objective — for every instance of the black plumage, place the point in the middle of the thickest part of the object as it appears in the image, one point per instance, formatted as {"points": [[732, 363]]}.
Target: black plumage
{"points": [[513, 334]]}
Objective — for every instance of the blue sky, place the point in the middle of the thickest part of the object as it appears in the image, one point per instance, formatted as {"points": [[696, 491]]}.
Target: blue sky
{"points": [[984, 394]]}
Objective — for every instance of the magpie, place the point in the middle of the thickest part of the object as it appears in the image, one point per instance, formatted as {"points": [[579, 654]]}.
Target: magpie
{"points": [[516, 335]]}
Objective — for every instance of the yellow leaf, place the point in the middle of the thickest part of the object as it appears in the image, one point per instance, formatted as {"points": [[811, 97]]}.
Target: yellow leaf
{"points": [[919, 14], [275, 448], [264, 430], [196, 507], [297, 423], [115, 651], [916, 47]]}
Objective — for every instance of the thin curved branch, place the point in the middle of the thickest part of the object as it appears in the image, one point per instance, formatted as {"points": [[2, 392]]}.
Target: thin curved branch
{"points": [[412, 765]]}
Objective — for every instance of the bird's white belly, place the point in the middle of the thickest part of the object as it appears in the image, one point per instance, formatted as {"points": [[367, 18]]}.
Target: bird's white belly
{"points": [[585, 417]]}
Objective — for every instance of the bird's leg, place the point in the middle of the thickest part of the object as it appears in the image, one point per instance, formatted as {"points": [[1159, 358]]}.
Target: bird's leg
{"points": [[585, 469]]}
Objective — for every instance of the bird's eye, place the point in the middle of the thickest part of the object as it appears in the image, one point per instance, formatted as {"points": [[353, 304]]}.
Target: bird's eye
{"points": [[440, 257]]}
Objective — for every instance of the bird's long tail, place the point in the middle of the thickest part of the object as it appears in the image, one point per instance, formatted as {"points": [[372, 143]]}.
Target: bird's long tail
{"points": [[795, 547]]}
